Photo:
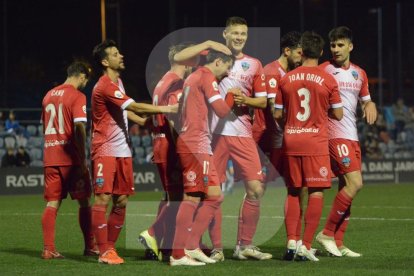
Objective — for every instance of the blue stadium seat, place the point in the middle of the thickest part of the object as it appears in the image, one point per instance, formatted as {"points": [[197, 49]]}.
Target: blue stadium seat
{"points": [[1, 142], [136, 141], [31, 130], [2, 153], [139, 152], [36, 142], [36, 153], [36, 163], [40, 130], [146, 141]]}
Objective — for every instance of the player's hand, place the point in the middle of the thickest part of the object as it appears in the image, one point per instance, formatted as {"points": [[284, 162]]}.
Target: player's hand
{"points": [[239, 99], [218, 47], [370, 112]]}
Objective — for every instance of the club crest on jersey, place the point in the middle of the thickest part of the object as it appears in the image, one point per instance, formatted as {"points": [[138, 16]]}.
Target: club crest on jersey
{"points": [[346, 162], [273, 83], [191, 176], [355, 75], [84, 109], [118, 94], [99, 182], [323, 171], [215, 86], [245, 65]]}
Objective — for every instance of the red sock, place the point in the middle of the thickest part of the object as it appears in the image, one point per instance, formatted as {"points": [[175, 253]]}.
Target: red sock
{"points": [[248, 219], [157, 228], [100, 227], [183, 223], [84, 216], [340, 205], [292, 216], [312, 217], [202, 219], [215, 229], [299, 226], [48, 226], [340, 232], [169, 224], [116, 221]]}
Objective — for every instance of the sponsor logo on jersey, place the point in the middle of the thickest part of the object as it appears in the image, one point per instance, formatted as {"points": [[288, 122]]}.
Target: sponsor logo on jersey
{"points": [[346, 161], [335, 73], [355, 75], [215, 86], [245, 65], [272, 83], [118, 94], [323, 171]]}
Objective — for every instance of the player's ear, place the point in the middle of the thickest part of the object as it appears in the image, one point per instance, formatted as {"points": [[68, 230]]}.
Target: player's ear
{"points": [[286, 51], [224, 33], [351, 46], [105, 62], [321, 53]]}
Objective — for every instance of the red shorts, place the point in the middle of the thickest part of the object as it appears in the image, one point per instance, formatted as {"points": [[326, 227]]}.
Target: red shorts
{"points": [[168, 164], [61, 180], [199, 172], [113, 175], [345, 156], [243, 152], [307, 171]]}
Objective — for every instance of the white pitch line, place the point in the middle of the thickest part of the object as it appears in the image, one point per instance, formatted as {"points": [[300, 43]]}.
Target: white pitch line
{"points": [[225, 216]]}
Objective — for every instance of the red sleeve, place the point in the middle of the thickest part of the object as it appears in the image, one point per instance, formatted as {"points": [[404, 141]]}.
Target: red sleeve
{"points": [[79, 108], [174, 97], [211, 92], [279, 96], [271, 82], [335, 100], [259, 84], [364, 93], [113, 94]]}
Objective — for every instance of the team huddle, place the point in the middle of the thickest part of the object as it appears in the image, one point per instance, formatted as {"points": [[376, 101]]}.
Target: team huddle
{"points": [[304, 123]]}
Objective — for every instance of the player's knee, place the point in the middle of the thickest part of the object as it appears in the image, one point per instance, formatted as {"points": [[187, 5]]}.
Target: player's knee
{"points": [[255, 192]]}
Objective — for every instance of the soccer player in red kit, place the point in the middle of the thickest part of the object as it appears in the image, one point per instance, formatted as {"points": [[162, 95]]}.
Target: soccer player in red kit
{"points": [[65, 167], [202, 191], [111, 154], [308, 94], [167, 92], [266, 132], [344, 147]]}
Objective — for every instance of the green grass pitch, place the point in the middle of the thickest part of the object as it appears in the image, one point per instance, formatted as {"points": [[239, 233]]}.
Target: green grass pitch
{"points": [[381, 227]]}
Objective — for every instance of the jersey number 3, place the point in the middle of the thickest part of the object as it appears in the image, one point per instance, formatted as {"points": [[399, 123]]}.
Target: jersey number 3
{"points": [[305, 104]]}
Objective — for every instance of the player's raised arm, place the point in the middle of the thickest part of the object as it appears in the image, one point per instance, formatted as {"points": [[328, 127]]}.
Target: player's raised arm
{"points": [[188, 54], [143, 108]]}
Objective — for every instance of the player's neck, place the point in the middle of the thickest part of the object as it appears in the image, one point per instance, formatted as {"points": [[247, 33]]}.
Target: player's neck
{"points": [[310, 62], [237, 55], [345, 64], [283, 63], [73, 82], [112, 74], [179, 70]]}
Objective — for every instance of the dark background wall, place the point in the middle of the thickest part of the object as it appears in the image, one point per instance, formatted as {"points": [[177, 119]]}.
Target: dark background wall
{"points": [[39, 38]]}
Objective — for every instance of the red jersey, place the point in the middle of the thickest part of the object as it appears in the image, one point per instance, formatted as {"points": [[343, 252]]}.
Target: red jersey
{"points": [[167, 92], [109, 119], [200, 90], [307, 93], [61, 108], [262, 117]]}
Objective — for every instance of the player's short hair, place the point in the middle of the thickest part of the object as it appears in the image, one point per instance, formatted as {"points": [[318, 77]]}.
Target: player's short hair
{"points": [[341, 32], [79, 67], [99, 51], [235, 20], [213, 55], [290, 40], [312, 44], [174, 49]]}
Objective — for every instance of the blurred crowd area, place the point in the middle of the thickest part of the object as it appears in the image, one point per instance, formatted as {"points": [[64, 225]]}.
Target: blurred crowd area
{"points": [[21, 141]]}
